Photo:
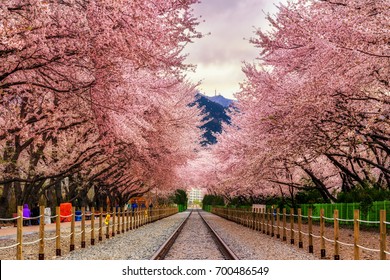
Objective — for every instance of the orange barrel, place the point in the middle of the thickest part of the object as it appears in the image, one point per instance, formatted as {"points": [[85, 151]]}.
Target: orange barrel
{"points": [[65, 212]]}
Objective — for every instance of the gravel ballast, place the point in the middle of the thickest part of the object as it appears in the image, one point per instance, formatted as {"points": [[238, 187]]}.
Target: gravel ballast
{"points": [[248, 244], [138, 244], [194, 242]]}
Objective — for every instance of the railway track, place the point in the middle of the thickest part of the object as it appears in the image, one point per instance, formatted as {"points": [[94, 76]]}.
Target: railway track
{"points": [[194, 239]]}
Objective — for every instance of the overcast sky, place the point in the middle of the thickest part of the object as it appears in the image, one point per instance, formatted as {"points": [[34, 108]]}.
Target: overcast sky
{"points": [[219, 56]]}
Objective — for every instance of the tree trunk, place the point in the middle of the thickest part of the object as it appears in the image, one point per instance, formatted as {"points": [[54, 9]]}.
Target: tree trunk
{"points": [[4, 201]]}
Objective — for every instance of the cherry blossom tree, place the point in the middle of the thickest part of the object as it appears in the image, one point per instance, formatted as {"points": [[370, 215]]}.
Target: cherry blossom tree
{"points": [[94, 92], [314, 112]]}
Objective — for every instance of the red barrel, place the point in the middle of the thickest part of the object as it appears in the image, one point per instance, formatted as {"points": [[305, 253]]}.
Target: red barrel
{"points": [[65, 212]]}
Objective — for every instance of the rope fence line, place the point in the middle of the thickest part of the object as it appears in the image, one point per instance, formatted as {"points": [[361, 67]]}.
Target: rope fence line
{"points": [[66, 236], [289, 225], [329, 240], [345, 220], [10, 246], [31, 218], [346, 244], [68, 216], [51, 238], [368, 222], [79, 233], [32, 242], [9, 219], [114, 222], [368, 249]]}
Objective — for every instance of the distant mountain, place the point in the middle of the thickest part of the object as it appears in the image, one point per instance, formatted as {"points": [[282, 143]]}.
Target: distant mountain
{"points": [[215, 116], [225, 102]]}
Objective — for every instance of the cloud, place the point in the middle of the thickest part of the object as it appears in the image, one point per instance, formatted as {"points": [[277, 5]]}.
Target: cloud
{"points": [[221, 78], [222, 52]]}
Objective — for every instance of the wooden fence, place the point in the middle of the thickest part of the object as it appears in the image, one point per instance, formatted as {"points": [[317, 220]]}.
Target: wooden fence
{"points": [[111, 222], [278, 223]]}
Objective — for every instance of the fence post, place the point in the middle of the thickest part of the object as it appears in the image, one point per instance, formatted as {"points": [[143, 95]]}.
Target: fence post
{"points": [[322, 232], [143, 216], [132, 218], [254, 220], [300, 243], [127, 219], [260, 219], [107, 222], [72, 231], [278, 222], [92, 225], [356, 230], [263, 220], [310, 221], [19, 234], [284, 235], [136, 217], [113, 221], [123, 219], [100, 223], [58, 231], [336, 234], [382, 227], [41, 255], [118, 227], [292, 225], [267, 213], [250, 216], [83, 227]]}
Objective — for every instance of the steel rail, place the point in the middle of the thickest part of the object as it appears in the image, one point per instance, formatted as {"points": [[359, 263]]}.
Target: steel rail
{"points": [[224, 249], [222, 246], [164, 249]]}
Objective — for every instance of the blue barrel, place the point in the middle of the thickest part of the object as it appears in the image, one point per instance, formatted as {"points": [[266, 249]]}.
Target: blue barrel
{"points": [[78, 215]]}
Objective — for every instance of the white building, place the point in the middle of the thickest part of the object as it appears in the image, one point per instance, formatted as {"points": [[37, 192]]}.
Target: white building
{"points": [[195, 195]]}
